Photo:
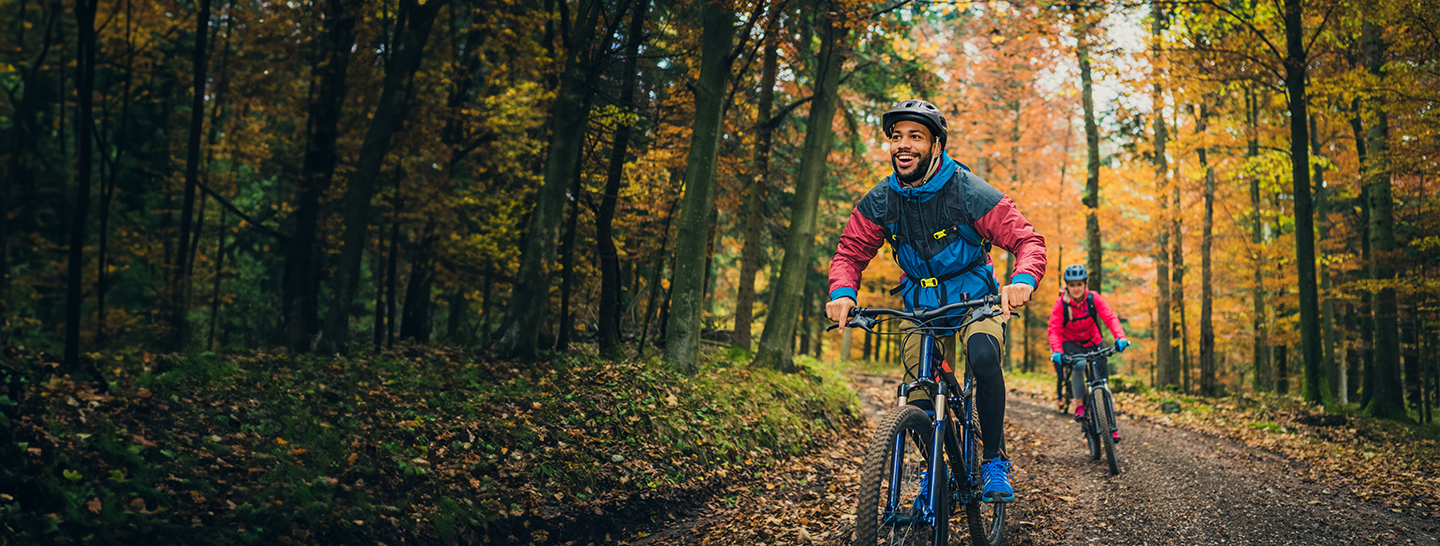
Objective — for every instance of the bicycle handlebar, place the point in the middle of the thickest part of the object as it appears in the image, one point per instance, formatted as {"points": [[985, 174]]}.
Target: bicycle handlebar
{"points": [[864, 317], [1083, 357]]}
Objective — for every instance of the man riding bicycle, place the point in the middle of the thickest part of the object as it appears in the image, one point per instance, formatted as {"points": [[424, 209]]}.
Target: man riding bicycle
{"points": [[1074, 330], [940, 220]]}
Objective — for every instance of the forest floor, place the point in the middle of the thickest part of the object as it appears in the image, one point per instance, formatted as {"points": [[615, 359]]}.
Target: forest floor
{"points": [[1204, 476]]}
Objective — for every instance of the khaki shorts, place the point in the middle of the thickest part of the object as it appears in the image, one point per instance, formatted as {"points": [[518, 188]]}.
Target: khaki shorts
{"points": [[910, 347]]}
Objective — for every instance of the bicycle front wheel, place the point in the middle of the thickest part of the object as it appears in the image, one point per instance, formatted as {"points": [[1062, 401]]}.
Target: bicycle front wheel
{"points": [[1105, 418], [1087, 425], [894, 501]]}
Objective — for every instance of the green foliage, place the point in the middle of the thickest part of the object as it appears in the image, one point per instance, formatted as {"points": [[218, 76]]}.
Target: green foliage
{"points": [[424, 443]]}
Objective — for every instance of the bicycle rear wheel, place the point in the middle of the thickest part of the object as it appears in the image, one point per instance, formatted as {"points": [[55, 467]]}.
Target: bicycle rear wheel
{"points": [[985, 519], [877, 523], [1105, 418]]}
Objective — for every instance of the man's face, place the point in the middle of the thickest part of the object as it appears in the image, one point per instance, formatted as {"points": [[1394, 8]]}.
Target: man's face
{"points": [[1076, 289], [910, 151]]}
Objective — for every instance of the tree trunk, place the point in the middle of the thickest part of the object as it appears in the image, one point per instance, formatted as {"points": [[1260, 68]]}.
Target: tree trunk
{"points": [[567, 256], [1257, 290], [179, 327], [1208, 384], [1295, 82], [300, 290], [682, 336], [1180, 358], [1094, 262], [1330, 368], [84, 120], [1411, 345], [388, 119], [610, 306], [1385, 396], [219, 271], [392, 261], [655, 276], [455, 317], [757, 192], [415, 316], [1282, 370], [786, 302], [1165, 364], [568, 115]]}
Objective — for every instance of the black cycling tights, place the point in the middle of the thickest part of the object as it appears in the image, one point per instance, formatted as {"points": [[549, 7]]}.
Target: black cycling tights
{"points": [[983, 352]]}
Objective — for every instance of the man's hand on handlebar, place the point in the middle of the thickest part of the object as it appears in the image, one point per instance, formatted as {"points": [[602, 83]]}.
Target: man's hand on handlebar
{"points": [[1012, 296], [838, 310]]}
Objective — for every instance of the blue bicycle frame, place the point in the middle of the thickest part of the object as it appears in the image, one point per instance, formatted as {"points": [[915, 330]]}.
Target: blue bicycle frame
{"points": [[931, 488]]}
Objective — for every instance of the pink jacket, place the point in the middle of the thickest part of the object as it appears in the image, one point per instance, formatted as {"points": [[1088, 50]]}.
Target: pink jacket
{"points": [[1082, 327]]}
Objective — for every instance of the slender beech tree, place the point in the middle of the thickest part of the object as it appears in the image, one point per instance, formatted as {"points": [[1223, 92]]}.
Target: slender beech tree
{"points": [[775, 346], [1331, 368], [1257, 239], [687, 292], [521, 336], [1385, 398], [180, 286], [1208, 384], [609, 313], [1296, 80], [300, 288], [412, 32], [1165, 364], [84, 122], [757, 191], [1094, 250]]}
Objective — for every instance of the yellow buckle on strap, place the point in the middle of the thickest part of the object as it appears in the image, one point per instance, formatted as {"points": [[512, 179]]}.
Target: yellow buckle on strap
{"points": [[940, 234], [931, 282]]}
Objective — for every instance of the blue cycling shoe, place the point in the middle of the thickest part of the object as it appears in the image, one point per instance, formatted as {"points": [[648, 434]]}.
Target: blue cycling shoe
{"points": [[996, 474]]}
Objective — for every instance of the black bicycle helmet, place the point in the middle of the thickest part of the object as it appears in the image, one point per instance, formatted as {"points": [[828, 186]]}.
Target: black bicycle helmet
{"points": [[1076, 273], [920, 112]]}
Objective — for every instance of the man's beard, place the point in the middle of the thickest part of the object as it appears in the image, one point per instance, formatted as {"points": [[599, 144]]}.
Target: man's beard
{"points": [[922, 166]]}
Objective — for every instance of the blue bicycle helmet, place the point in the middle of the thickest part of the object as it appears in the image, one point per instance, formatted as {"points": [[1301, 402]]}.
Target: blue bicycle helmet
{"points": [[1076, 273]]}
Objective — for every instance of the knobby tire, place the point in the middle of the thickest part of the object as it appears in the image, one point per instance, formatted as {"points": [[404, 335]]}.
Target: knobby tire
{"points": [[1105, 417], [875, 478]]}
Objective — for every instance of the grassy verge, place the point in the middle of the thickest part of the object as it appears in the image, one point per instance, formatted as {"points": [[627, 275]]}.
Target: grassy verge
{"points": [[1395, 464], [419, 444]]}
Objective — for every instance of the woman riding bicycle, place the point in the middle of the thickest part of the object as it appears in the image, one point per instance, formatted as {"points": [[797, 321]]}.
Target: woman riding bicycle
{"points": [[1074, 330]]}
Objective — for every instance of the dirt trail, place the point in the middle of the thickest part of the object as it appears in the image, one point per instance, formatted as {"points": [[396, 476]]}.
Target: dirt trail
{"points": [[1180, 487], [1175, 487]]}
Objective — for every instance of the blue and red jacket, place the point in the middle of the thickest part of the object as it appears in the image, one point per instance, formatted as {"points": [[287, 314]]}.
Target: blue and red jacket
{"points": [[941, 233]]}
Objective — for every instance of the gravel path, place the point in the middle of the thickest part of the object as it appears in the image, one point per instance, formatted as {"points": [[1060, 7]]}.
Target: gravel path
{"points": [[1180, 487], [1176, 487]]}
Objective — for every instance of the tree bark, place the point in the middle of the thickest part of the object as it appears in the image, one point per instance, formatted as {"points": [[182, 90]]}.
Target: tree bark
{"points": [[1094, 250], [1330, 366], [610, 305], [1385, 400], [521, 337], [300, 289], [1208, 384], [786, 303], [567, 256], [757, 192], [1257, 290], [682, 337], [415, 315], [179, 332], [1165, 364], [84, 120], [388, 119], [1295, 86]]}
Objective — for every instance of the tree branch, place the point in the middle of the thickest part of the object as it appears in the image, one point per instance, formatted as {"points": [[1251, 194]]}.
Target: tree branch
{"points": [[259, 226]]}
